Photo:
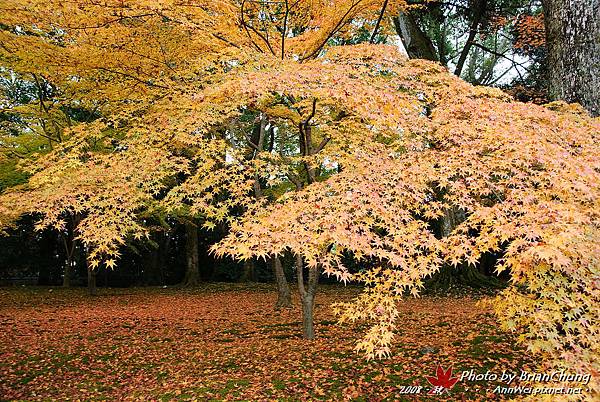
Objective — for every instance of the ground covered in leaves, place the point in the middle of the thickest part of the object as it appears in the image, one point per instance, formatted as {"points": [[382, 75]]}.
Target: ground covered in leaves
{"points": [[226, 342]]}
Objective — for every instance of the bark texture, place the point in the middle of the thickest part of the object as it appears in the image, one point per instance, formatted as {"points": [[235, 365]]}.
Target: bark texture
{"points": [[284, 297], [307, 296], [573, 43], [417, 44]]}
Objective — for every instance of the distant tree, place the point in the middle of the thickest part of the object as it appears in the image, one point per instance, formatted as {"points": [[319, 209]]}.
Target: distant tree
{"points": [[477, 40]]}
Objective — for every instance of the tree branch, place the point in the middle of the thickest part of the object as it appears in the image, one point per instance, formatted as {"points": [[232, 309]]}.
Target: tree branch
{"points": [[284, 31], [339, 24], [133, 77], [374, 34], [322, 144], [477, 17]]}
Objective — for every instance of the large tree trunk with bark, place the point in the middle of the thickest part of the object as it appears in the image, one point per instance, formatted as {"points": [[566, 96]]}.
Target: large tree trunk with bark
{"points": [[284, 296], [307, 296], [451, 219], [573, 43], [192, 269]]}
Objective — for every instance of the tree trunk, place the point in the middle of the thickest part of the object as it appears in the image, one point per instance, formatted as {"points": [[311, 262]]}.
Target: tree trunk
{"points": [[478, 11], [69, 243], [307, 296], [308, 329], [163, 256], [284, 297], [68, 273], [91, 273], [150, 274], [192, 271], [451, 219], [249, 272], [463, 274], [573, 44], [416, 43]]}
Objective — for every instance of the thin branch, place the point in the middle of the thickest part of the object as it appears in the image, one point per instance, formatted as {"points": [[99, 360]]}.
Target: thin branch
{"points": [[218, 36], [322, 144], [105, 24], [312, 113], [337, 27], [374, 34], [133, 77], [284, 32], [247, 27], [253, 145], [305, 145], [487, 49], [477, 17], [41, 94], [243, 22]]}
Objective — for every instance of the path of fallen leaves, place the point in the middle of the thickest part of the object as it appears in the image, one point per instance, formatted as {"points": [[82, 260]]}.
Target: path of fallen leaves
{"points": [[226, 342]]}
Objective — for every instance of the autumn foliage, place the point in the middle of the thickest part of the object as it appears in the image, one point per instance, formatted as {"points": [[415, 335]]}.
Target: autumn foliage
{"points": [[526, 176], [530, 33], [226, 343], [376, 147]]}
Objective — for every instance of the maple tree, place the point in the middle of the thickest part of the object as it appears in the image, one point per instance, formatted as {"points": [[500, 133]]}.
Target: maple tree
{"points": [[140, 58], [526, 176], [375, 147]]}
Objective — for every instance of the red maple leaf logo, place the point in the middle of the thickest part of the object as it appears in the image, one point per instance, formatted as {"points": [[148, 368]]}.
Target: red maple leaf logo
{"points": [[443, 382]]}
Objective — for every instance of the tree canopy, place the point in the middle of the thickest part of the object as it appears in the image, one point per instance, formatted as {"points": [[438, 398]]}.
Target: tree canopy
{"points": [[376, 146]]}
